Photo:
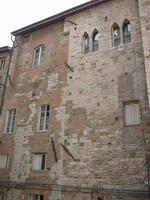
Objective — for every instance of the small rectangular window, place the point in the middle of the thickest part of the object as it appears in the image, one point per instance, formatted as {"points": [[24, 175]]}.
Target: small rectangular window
{"points": [[37, 197], [4, 160], [39, 161], [26, 39], [132, 113], [2, 63], [44, 117], [10, 120]]}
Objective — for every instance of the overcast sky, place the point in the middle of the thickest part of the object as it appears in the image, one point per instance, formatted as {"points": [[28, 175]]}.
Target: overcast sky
{"points": [[16, 14]]}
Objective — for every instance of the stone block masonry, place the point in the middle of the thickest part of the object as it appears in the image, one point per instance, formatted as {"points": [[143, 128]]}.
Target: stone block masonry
{"points": [[90, 151]]}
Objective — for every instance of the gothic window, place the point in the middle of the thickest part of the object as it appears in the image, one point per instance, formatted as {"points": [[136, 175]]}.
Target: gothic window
{"points": [[95, 40], [116, 39], [126, 31], [86, 45]]}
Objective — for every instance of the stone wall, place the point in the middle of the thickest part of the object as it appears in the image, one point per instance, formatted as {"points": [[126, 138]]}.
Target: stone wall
{"points": [[98, 156]]}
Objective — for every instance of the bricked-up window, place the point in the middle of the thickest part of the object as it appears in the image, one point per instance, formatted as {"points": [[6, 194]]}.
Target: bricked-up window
{"points": [[1, 195], [86, 43], [10, 120], [2, 63], [95, 40], [116, 39], [39, 161], [4, 160], [37, 197], [126, 31], [38, 56], [44, 117], [132, 113]]}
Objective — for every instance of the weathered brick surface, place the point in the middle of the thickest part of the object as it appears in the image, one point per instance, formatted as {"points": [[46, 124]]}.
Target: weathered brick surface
{"points": [[107, 159]]}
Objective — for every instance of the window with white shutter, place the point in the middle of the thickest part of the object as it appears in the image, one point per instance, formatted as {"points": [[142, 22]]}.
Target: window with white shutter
{"points": [[39, 161], [3, 161], [132, 113]]}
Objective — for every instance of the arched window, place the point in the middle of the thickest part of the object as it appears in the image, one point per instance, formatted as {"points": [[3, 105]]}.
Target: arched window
{"points": [[86, 43], [116, 39], [38, 56], [95, 40], [126, 31]]}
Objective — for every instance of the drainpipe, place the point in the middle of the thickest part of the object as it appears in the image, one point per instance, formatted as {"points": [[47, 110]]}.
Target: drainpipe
{"points": [[6, 78]]}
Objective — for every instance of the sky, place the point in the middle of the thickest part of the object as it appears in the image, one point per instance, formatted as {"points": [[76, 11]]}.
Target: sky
{"points": [[16, 14]]}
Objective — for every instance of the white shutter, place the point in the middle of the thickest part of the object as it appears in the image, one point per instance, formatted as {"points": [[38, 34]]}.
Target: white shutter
{"points": [[37, 161], [132, 113], [3, 160]]}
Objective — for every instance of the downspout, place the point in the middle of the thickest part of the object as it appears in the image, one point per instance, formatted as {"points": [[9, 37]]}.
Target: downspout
{"points": [[6, 78]]}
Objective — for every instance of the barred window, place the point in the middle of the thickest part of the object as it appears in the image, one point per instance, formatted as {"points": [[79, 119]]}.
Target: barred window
{"points": [[86, 43], [4, 160], [95, 40], [39, 161], [132, 113], [116, 39], [126, 31], [38, 56], [44, 117], [10, 120]]}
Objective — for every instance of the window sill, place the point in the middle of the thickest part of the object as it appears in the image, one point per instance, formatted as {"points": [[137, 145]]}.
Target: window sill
{"points": [[44, 131], [133, 125], [39, 171], [4, 169], [120, 47], [8, 133]]}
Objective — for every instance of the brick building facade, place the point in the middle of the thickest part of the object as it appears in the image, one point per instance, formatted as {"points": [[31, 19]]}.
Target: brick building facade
{"points": [[75, 120]]}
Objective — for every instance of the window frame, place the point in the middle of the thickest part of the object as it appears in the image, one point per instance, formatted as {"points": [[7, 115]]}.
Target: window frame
{"points": [[39, 196], [124, 113], [45, 118], [95, 46], [2, 195], [45, 163], [40, 58], [2, 66], [85, 48], [112, 35], [12, 121], [125, 23]]}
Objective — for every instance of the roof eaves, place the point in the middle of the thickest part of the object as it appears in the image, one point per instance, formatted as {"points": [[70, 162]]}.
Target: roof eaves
{"points": [[5, 48], [57, 17]]}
